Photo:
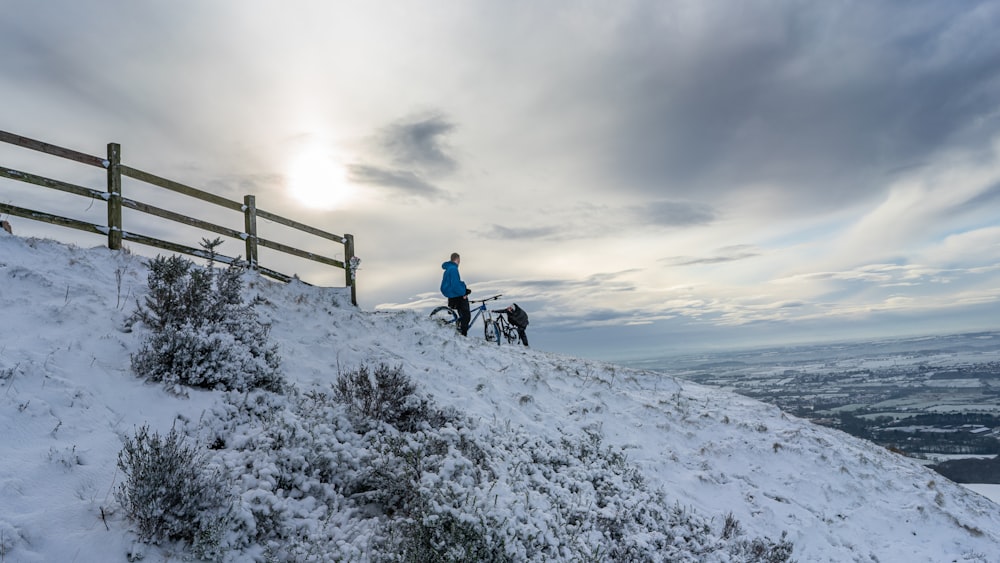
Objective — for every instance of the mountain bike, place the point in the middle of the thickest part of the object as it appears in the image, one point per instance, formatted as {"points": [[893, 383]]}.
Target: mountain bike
{"points": [[491, 330], [507, 330]]}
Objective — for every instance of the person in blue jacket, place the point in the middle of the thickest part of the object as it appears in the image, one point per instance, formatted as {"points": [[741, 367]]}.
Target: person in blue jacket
{"points": [[454, 289]]}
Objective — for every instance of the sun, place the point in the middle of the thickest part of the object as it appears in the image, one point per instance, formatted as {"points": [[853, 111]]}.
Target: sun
{"points": [[317, 180]]}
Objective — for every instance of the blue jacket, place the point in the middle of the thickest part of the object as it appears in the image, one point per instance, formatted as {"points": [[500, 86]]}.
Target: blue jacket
{"points": [[451, 283]]}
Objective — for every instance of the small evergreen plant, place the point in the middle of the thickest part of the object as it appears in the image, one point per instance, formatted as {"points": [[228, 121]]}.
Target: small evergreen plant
{"points": [[170, 492], [202, 334]]}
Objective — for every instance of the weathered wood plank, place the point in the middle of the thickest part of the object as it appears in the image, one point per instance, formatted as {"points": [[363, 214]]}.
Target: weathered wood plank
{"points": [[350, 276], [114, 196], [250, 228], [300, 253], [174, 247], [180, 188], [296, 225], [50, 183], [54, 150], [178, 218], [277, 275], [53, 219], [199, 253]]}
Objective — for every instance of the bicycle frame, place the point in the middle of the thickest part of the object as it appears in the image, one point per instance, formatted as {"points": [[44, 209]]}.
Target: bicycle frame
{"points": [[481, 310], [507, 330], [491, 329]]}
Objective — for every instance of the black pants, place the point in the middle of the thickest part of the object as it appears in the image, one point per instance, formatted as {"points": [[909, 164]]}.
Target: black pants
{"points": [[523, 335], [461, 304]]}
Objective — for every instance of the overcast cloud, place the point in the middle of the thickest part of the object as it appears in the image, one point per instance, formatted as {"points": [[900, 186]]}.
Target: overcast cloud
{"points": [[642, 176]]}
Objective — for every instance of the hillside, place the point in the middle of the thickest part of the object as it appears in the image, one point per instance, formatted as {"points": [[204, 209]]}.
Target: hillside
{"points": [[68, 398]]}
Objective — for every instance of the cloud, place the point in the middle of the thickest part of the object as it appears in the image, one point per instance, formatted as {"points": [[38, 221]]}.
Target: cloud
{"points": [[419, 143], [723, 255], [400, 181], [519, 233], [570, 288], [919, 209], [975, 248], [675, 213], [828, 155], [715, 99], [587, 221], [406, 155], [880, 274], [990, 196]]}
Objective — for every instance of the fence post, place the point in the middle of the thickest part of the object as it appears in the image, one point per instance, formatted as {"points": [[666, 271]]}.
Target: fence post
{"points": [[250, 228], [349, 271], [114, 196]]}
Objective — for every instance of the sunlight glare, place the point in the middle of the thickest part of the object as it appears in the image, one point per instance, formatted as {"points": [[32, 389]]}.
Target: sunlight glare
{"points": [[316, 180]]}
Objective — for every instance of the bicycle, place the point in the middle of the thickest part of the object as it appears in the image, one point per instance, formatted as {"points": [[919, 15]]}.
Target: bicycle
{"points": [[491, 330], [507, 330]]}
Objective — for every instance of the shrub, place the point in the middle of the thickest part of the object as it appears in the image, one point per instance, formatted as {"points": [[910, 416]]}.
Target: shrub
{"points": [[171, 493], [763, 550], [202, 333], [446, 537], [291, 456], [368, 470], [429, 485], [385, 395]]}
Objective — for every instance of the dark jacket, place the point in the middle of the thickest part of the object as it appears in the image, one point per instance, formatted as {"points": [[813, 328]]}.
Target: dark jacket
{"points": [[518, 317], [451, 283]]}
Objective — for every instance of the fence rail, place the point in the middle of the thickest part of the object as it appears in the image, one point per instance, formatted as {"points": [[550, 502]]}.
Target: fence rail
{"points": [[116, 233]]}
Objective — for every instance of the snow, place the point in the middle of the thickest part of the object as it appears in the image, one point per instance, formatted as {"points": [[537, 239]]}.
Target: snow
{"points": [[991, 492], [68, 398]]}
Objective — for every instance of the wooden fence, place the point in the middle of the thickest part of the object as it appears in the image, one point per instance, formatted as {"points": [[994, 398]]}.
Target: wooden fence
{"points": [[116, 232]]}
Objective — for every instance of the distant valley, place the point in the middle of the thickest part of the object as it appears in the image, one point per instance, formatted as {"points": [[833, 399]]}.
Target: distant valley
{"points": [[935, 398]]}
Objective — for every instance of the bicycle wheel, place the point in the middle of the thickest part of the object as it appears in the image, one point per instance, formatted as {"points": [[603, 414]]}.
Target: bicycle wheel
{"points": [[445, 315], [507, 330], [511, 333], [492, 332]]}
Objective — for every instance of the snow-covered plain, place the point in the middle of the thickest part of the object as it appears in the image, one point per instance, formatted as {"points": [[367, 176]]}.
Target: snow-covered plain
{"points": [[68, 397]]}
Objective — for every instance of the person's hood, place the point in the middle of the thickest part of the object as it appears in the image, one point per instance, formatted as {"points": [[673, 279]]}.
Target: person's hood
{"points": [[448, 264]]}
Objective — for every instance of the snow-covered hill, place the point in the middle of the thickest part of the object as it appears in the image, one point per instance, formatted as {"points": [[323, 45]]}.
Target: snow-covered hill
{"points": [[68, 397]]}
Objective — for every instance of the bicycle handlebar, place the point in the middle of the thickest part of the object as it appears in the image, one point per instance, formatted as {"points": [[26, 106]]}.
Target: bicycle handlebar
{"points": [[494, 298]]}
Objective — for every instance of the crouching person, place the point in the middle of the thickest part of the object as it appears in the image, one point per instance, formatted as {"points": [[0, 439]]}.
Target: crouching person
{"points": [[519, 319]]}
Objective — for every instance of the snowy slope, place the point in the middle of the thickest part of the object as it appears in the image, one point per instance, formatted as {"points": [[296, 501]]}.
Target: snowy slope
{"points": [[67, 397]]}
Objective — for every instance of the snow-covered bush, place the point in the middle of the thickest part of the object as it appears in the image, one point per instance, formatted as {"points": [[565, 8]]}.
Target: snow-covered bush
{"points": [[439, 537], [319, 479], [761, 550], [202, 334], [385, 395], [10, 537], [291, 457], [459, 491], [171, 492]]}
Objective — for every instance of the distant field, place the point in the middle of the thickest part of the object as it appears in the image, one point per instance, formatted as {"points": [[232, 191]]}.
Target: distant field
{"points": [[933, 398]]}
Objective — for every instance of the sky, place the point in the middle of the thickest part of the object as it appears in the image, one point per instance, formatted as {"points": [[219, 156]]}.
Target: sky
{"points": [[69, 399], [642, 177]]}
